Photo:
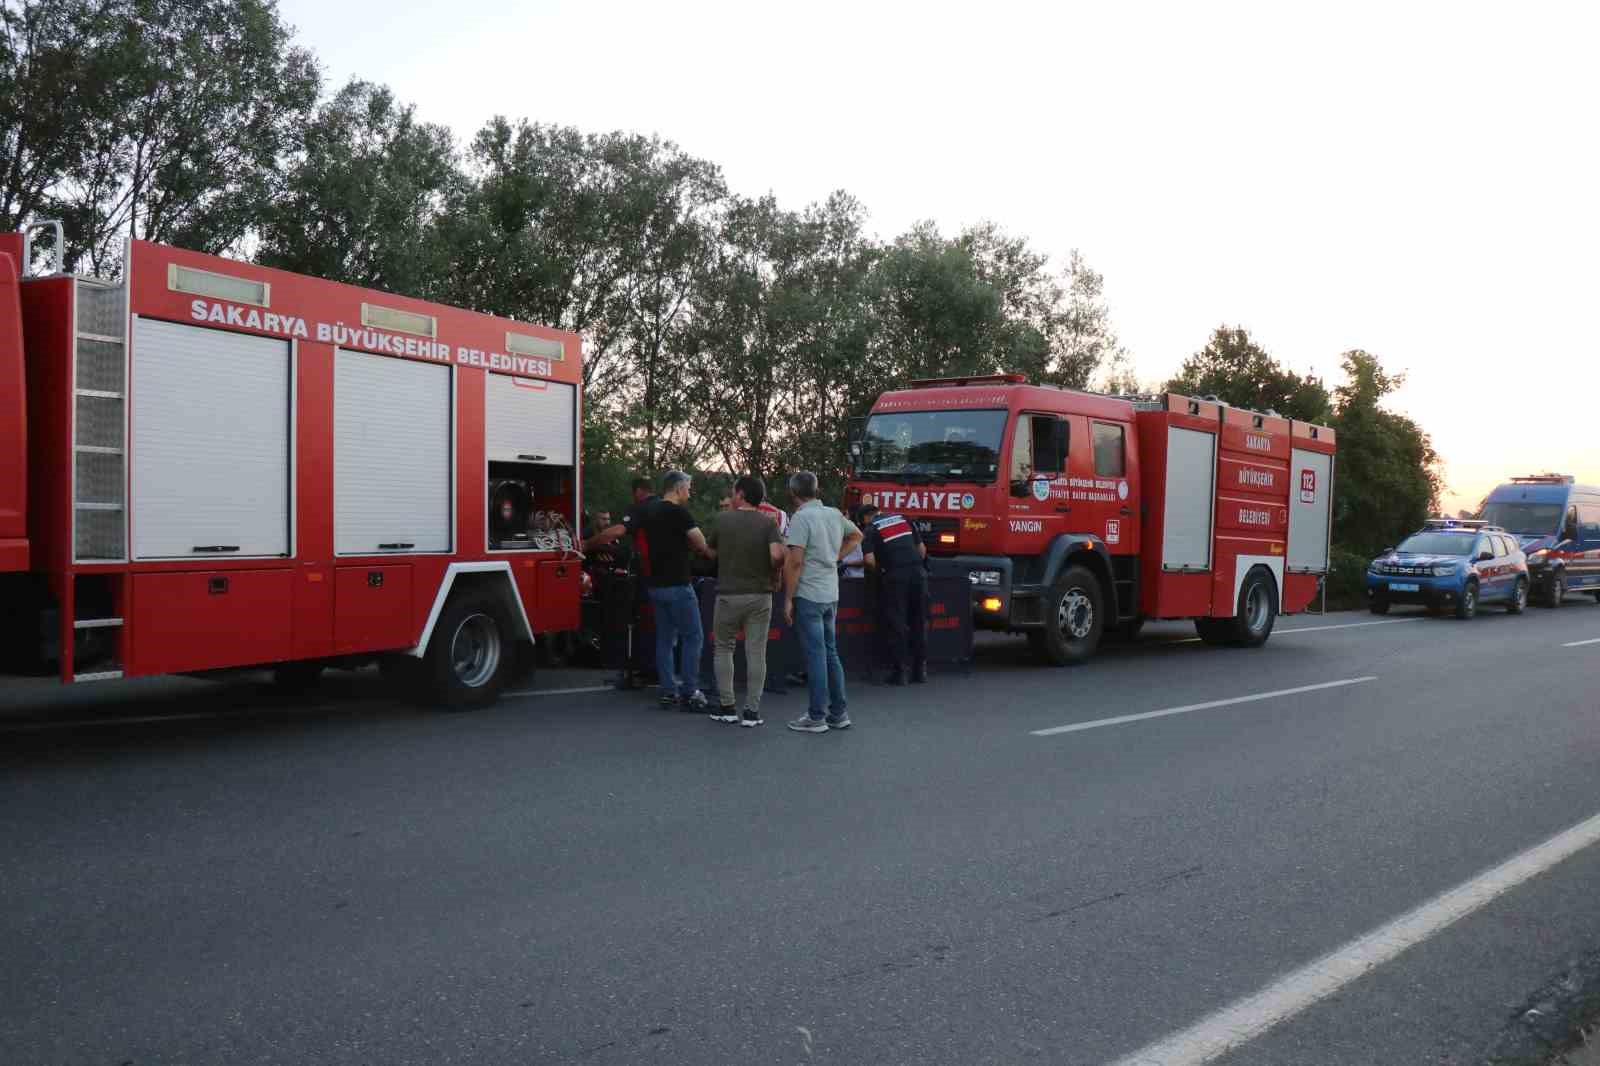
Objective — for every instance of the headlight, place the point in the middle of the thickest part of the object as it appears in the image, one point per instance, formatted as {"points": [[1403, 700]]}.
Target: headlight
{"points": [[1539, 557], [1374, 567], [984, 577], [1444, 571]]}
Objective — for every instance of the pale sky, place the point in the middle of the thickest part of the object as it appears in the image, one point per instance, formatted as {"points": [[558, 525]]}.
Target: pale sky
{"points": [[1419, 180]]}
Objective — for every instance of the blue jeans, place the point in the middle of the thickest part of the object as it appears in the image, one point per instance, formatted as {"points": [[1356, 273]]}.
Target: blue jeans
{"points": [[814, 622], [678, 618]]}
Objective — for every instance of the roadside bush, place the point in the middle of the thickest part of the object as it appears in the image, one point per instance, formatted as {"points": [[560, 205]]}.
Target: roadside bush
{"points": [[1345, 571]]}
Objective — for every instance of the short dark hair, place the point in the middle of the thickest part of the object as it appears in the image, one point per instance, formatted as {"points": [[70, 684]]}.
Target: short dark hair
{"points": [[803, 485], [866, 511], [641, 484], [671, 480], [752, 488]]}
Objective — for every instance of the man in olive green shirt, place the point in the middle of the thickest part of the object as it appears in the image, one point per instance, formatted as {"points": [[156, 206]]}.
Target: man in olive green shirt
{"points": [[748, 550]]}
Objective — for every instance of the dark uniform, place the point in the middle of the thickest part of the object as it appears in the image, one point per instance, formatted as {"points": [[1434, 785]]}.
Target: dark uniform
{"points": [[896, 548]]}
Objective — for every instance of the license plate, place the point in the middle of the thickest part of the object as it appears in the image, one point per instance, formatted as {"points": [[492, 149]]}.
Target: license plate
{"points": [[1398, 586]]}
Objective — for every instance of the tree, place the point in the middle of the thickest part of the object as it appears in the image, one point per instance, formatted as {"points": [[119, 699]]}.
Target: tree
{"points": [[199, 101], [57, 58], [1388, 478], [777, 347], [362, 200], [1235, 369]]}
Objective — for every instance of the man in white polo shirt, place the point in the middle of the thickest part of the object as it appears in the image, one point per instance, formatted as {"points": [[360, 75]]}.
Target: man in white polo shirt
{"points": [[819, 538]]}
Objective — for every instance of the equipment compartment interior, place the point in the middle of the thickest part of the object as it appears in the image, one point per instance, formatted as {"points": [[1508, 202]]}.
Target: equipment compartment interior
{"points": [[531, 507]]}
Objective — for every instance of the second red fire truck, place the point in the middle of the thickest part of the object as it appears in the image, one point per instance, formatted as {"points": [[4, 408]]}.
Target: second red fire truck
{"points": [[208, 464], [1074, 515]]}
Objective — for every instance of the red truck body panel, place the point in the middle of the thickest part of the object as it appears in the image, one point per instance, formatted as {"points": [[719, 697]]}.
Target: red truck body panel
{"points": [[190, 614]]}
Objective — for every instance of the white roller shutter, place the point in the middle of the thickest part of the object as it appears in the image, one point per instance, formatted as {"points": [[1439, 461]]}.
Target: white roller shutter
{"points": [[391, 455], [210, 434], [529, 418], [1310, 499], [1191, 473]]}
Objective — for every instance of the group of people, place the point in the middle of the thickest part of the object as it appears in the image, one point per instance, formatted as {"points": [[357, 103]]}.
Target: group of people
{"points": [[761, 554]]}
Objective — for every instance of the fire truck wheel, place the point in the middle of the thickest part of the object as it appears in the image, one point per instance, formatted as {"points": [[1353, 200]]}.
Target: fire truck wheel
{"points": [[297, 676], [1073, 619], [470, 656], [1258, 610]]}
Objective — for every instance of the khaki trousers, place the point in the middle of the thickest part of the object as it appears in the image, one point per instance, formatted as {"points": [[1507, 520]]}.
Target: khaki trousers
{"points": [[752, 615]]}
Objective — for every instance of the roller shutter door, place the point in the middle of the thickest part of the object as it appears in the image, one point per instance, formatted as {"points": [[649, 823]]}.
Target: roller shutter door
{"points": [[1310, 501], [210, 435], [391, 455], [1190, 493], [530, 418]]}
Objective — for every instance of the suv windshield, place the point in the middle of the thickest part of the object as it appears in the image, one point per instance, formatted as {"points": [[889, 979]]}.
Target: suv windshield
{"points": [[1438, 543], [1526, 519], [933, 445]]}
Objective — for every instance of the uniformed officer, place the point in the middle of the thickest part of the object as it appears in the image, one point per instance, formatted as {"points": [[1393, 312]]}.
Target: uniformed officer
{"points": [[892, 547]]}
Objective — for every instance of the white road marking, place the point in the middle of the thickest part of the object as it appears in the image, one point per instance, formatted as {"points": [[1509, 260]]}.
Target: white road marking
{"points": [[1313, 629], [1581, 643], [1348, 625], [562, 691], [1078, 727], [1250, 1017]]}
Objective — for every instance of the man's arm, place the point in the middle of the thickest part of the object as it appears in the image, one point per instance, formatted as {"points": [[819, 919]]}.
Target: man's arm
{"points": [[851, 539], [791, 579], [605, 536], [697, 541]]}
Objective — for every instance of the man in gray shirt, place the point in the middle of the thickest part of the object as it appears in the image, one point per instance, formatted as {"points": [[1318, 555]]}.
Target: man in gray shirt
{"points": [[819, 538]]}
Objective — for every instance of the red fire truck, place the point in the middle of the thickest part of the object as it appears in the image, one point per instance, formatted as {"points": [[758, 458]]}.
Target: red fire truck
{"points": [[207, 465], [1074, 514]]}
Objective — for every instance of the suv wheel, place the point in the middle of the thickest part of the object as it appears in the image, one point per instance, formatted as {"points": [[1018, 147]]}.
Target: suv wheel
{"points": [[1519, 597], [1073, 617], [1467, 605], [1555, 590]]}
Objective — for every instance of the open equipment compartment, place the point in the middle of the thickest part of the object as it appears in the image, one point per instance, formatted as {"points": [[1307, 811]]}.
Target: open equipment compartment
{"points": [[531, 448]]}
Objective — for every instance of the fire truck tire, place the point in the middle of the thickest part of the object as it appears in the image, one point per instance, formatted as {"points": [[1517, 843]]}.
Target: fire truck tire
{"points": [[297, 676], [1258, 610], [1555, 590], [1074, 619], [471, 654]]}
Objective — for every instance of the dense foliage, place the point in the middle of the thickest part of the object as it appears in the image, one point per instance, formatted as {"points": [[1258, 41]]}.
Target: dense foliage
{"points": [[720, 332]]}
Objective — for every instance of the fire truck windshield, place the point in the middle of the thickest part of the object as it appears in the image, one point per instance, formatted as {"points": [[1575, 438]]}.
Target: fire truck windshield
{"points": [[933, 446]]}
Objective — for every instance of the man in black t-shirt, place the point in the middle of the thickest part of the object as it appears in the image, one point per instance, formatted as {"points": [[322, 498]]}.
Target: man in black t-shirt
{"points": [[671, 533]]}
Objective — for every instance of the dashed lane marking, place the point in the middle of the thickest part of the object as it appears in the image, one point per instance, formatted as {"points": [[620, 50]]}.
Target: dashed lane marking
{"points": [[1581, 643], [1123, 719], [1248, 1018], [562, 691]]}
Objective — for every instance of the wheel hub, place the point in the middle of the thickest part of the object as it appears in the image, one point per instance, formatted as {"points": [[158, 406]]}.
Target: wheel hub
{"points": [[1256, 609], [475, 650], [1076, 615]]}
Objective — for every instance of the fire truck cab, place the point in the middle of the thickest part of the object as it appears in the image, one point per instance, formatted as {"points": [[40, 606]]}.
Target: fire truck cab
{"points": [[207, 465], [1073, 514]]}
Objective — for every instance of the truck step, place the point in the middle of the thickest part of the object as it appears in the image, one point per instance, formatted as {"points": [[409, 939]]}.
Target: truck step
{"points": [[97, 623], [103, 675]]}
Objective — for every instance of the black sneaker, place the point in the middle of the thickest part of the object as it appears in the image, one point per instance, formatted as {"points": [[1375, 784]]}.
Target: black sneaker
{"points": [[668, 700], [841, 722], [750, 719], [696, 701], [728, 713]]}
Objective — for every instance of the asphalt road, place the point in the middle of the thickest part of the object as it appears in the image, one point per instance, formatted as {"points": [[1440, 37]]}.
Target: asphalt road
{"points": [[214, 874]]}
